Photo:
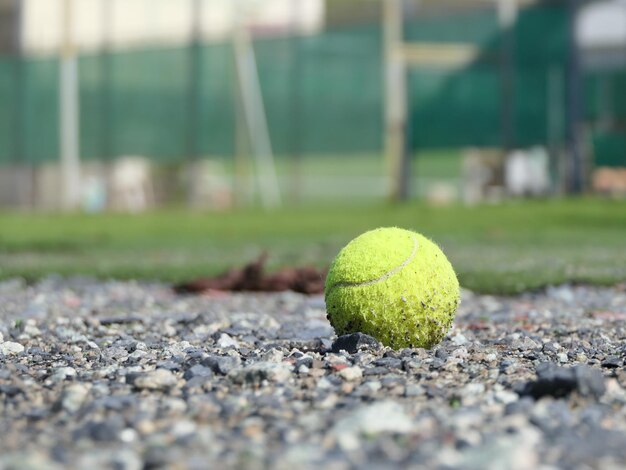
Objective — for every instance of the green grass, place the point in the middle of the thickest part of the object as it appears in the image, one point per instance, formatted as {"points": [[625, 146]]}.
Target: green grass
{"points": [[497, 249]]}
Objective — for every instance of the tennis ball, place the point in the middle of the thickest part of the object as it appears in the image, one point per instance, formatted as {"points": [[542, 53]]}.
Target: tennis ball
{"points": [[395, 285]]}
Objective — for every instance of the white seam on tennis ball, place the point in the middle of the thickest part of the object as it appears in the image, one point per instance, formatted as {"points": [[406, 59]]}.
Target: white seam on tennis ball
{"points": [[385, 276]]}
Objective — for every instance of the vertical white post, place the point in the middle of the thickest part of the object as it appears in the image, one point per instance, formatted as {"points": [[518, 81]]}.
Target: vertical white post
{"points": [[507, 16], [254, 111], [395, 100], [69, 114], [295, 112]]}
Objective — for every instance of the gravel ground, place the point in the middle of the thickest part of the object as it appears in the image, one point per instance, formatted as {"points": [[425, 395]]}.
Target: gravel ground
{"points": [[128, 375]]}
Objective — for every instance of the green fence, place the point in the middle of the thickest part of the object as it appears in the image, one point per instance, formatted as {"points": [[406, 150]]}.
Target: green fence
{"points": [[138, 102], [465, 107], [606, 106], [323, 94]]}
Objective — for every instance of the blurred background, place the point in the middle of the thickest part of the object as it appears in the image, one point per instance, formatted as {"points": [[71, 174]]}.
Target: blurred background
{"points": [[133, 104], [170, 139]]}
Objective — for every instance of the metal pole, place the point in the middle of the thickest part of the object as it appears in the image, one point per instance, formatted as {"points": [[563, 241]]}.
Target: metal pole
{"points": [[18, 71], [69, 114], [193, 96], [395, 101], [574, 104], [195, 70], [243, 195], [242, 180], [295, 118], [256, 118], [106, 77]]}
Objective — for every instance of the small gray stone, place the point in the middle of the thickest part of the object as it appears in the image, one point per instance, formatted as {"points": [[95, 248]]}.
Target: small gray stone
{"points": [[524, 343], [351, 373], [612, 362], [10, 348], [369, 421], [102, 431], [459, 339], [221, 364], [261, 371], [389, 362], [560, 381], [354, 342], [63, 373], [73, 397], [414, 390], [159, 379], [590, 382], [197, 371], [226, 341]]}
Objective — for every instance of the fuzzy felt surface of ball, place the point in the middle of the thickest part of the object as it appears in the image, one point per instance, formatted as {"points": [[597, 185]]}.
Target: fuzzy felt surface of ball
{"points": [[395, 285]]}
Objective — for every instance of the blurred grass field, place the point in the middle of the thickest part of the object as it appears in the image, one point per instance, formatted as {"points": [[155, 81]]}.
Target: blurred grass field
{"points": [[506, 248]]}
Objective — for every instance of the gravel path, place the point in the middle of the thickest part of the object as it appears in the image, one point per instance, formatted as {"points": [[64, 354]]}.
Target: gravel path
{"points": [[127, 375]]}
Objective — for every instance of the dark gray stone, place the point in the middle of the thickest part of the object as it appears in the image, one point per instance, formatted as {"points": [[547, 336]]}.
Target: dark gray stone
{"points": [[559, 382], [354, 342], [101, 431], [197, 371], [613, 362], [221, 364], [389, 362]]}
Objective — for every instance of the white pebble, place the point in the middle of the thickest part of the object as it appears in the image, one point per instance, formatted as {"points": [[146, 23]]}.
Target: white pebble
{"points": [[226, 341], [459, 339], [63, 373], [31, 330], [505, 397], [128, 435], [324, 384], [351, 373], [491, 357], [73, 397], [9, 348]]}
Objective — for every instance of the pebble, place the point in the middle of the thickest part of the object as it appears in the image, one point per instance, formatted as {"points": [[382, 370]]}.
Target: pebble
{"points": [[73, 397], [221, 364], [10, 348], [159, 379], [613, 362], [226, 341], [63, 373], [351, 373], [459, 339], [197, 371], [369, 421], [560, 381], [354, 342], [255, 379], [261, 371]]}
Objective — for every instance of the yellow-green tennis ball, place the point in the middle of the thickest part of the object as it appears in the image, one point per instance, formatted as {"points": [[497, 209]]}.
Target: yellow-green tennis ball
{"points": [[395, 285]]}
